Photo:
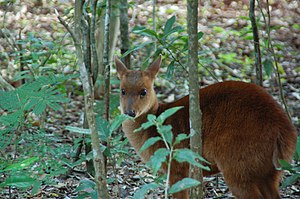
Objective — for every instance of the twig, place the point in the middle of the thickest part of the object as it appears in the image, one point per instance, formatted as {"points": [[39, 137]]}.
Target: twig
{"points": [[62, 21], [271, 49], [93, 41]]}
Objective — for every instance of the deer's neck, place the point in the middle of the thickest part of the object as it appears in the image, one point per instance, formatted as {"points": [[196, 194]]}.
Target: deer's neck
{"points": [[137, 139]]}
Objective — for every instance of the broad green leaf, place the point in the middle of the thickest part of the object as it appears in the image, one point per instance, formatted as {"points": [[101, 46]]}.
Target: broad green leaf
{"points": [[35, 187], [173, 30], [163, 116], [181, 137], [143, 191], [290, 180], [268, 66], [159, 157], [285, 164], [86, 185], [187, 155], [137, 48], [151, 122], [149, 143], [21, 165], [183, 184], [169, 24], [18, 181], [166, 132], [141, 30], [116, 123], [200, 35], [103, 128]]}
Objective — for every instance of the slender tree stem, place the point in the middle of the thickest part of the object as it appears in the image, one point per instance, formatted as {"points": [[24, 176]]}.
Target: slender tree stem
{"points": [[194, 102], [258, 65]]}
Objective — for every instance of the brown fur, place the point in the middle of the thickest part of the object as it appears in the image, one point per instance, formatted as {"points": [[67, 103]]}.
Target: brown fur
{"points": [[245, 131]]}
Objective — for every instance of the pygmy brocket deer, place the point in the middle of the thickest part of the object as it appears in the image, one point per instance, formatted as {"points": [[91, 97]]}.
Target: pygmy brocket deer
{"points": [[245, 131]]}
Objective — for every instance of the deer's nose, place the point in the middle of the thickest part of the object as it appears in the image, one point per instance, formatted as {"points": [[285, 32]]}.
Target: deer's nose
{"points": [[131, 113]]}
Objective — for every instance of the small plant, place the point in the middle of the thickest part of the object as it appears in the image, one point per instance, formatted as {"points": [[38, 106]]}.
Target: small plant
{"points": [[30, 157], [168, 154], [293, 169], [168, 39], [115, 152]]}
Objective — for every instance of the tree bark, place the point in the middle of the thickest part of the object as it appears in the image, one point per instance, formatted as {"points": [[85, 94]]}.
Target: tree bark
{"points": [[106, 60], [124, 31], [87, 83], [258, 65], [194, 105]]}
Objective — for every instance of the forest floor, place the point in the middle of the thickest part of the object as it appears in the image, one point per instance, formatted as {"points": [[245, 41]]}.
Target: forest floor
{"points": [[131, 173]]}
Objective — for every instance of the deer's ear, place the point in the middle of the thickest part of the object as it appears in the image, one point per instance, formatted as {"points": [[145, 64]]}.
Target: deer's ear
{"points": [[121, 68], [154, 67]]}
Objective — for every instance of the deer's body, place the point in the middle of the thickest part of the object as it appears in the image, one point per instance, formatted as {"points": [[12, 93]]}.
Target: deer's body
{"points": [[245, 131]]}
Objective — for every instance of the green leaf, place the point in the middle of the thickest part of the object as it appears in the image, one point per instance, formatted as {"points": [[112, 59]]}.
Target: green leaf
{"points": [[173, 30], [200, 35], [170, 70], [166, 132], [187, 155], [170, 22], [183, 184], [86, 185], [21, 165], [149, 143], [156, 160], [268, 66], [181, 137], [151, 122], [218, 29], [141, 30], [39, 107], [163, 116], [143, 191], [290, 180], [116, 123], [18, 181], [103, 128], [137, 48], [298, 146], [285, 165], [78, 130]]}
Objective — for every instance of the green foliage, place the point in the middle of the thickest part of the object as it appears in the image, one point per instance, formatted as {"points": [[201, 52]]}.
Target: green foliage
{"points": [[86, 188], [35, 152], [143, 191], [184, 184], [33, 97], [115, 152], [169, 39], [168, 154], [293, 169]]}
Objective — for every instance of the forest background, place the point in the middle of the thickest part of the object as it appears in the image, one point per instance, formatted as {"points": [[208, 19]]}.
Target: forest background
{"points": [[41, 147]]}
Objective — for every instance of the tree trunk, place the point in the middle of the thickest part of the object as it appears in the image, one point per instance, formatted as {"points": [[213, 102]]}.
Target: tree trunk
{"points": [[113, 33], [100, 174], [194, 110], [258, 65], [125, 44]]}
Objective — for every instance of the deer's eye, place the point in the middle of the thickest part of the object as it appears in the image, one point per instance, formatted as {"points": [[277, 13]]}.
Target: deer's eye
{"points": [[143, 93], [123, 92]]}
